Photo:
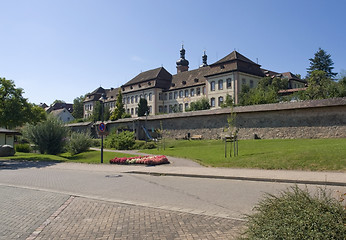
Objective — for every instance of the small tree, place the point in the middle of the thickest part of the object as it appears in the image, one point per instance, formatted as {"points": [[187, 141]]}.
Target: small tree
{"points": [[49, 135], [119, 110], [323, 62], [143, 107], [228, 102]]}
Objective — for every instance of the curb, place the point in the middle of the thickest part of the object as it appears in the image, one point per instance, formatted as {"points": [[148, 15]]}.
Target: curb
{"points": [[311, 182]]}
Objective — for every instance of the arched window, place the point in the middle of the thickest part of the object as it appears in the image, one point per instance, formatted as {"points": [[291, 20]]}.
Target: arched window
{"points": [[229, 83], [150, 96], [212, 102], [212, 86], [220, 101], [220, 84]]}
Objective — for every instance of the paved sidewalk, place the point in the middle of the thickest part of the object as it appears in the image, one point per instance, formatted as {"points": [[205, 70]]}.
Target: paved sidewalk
{"points": [[188, 168]]}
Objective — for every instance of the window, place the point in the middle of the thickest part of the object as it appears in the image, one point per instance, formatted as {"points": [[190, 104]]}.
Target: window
{"points": [[128, 111], [198, 91], [186, 106], [212, 86], [229, 83], [170, 96], [204, 91], [180, 93], [170, 109], [160, 96], [150, 109], [192, 92], [128, 99], [136, 99], [220, 101], [251, 83], [243, 81], [220, 84], [132, 98], [136, 110], [180, 107], [145, 96], [141, 96], [131, 111], [124, 100], [165, 109], [150, 96], [186, 93], [165, 96], [175, 95], [212, 102], [160, 109]]}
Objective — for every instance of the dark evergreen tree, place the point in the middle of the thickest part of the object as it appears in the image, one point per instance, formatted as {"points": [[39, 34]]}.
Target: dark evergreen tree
{"points": [[323, 62], [119, 110], [143, 107]]}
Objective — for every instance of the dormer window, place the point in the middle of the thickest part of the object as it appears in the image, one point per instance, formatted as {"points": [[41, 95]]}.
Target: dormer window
{"points": [[196, 80], [139, 86], [173, 85], [184, 82], [222, 66], [123, 89], [131, 87], [149, 83]]}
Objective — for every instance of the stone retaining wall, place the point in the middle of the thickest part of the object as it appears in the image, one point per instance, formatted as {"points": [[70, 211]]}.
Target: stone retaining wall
{"points": [[309, 119]]}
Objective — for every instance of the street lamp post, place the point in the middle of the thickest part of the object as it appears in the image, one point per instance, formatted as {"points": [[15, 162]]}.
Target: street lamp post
{"points": [[102, 99]]}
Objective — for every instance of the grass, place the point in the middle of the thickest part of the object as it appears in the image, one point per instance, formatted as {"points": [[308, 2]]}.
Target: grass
{"points": [[291, 154], [85, 157]]}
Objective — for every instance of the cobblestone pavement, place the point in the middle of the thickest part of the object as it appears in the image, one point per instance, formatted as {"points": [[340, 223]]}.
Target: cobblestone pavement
{"points": [[23, 210], [31, 214], [91, 219]]}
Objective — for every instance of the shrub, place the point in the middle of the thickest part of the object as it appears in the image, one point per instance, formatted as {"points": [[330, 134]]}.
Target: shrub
{"points": [[139, 144], [95, 142], [79, 142], [23, 147], [150, 145], [49, 135], [122, 141], [296, 214]]}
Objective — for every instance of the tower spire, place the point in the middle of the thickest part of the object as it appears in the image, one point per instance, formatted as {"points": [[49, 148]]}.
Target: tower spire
{"points": [[204, 58], [182, 63]]}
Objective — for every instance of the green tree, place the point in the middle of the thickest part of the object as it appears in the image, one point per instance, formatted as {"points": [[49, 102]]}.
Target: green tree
{"points": [[49, 135], [323, 62], [97, 112], [143, 107], [15, 109], [320, 86], [38, 114], [265, 92], [78, 107], [228, 102], [201, 104], [119, 110]]}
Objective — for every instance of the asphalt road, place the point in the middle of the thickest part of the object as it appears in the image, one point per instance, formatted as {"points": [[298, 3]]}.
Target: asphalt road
{"points": [[223, 200]]}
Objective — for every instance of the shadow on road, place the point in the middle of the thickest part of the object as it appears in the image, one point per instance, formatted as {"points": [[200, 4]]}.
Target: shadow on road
{"points": [[19, 164]]}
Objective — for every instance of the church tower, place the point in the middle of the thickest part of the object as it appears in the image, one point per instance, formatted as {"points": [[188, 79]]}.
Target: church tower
{"points": [[182, 63]]}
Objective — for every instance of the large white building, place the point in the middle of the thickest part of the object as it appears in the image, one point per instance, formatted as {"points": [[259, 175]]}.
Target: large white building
{"points": [[167, 93]]}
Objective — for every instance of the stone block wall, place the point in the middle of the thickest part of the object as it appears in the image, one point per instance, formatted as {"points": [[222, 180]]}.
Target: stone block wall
{"points": [[309, 119]]}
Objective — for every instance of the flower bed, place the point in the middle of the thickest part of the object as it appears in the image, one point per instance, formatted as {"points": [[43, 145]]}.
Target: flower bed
{"points": [[148, 160]]}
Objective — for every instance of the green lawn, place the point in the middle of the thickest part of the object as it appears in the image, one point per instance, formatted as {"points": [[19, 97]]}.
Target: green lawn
{"points": [[86, 157], [298, 154]]}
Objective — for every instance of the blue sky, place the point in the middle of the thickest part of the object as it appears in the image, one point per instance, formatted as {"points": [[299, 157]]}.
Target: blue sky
{"points": [[61, 49]]}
